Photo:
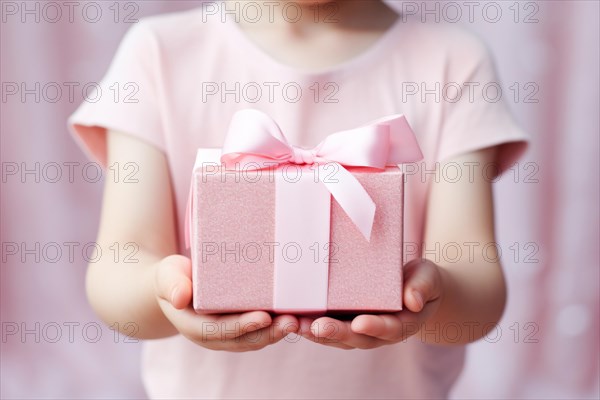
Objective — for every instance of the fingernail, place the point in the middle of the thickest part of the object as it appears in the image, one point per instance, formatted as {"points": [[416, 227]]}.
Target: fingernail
{"points": [[314, 329], [174, 294], [357, 329], [419, 299]]}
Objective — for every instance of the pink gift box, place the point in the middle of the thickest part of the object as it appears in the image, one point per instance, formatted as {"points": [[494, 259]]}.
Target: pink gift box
{"points": [[235, 246]]}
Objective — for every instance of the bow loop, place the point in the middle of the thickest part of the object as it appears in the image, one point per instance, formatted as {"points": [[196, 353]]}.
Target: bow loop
{"points": [[254, 139], [367, 146]]}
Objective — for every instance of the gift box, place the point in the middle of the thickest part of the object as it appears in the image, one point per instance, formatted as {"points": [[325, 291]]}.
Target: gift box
{"points": [[278, 228]]}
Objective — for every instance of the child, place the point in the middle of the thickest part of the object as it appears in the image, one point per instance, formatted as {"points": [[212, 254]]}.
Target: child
{"points": [[316, 67]]}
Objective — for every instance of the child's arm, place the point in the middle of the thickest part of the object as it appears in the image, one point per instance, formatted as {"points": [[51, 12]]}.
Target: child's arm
{"points": [[468, 293], [154, 293]]}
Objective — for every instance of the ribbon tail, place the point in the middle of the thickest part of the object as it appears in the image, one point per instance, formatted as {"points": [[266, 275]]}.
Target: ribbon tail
{"points": [[351, 196]]}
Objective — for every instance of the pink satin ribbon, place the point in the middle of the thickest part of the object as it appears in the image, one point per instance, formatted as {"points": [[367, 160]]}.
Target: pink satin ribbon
{"points": [[255, 141]]}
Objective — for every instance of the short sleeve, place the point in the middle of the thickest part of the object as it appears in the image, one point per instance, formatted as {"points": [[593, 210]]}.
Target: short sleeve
{"points": [[125, 100], [477, 116]]}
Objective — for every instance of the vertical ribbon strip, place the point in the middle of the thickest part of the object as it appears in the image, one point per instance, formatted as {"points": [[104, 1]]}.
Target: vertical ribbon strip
{"points": [[302, 226]]}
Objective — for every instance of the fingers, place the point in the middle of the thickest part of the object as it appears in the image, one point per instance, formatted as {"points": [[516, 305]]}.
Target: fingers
{"points": [[336, 333], [421, 297], [255, 330], [422, 284], [255, 340], [384, 326], [232, 332], [244, 332], [305, 332], [174, 281], [230, 326], [217, 327]]}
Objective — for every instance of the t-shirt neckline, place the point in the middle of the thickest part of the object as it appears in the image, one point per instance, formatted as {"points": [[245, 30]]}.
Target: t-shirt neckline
{"points": [[368, 55]]}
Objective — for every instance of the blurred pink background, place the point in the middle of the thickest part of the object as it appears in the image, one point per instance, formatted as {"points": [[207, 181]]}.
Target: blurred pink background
{"points": [[547, 344]]}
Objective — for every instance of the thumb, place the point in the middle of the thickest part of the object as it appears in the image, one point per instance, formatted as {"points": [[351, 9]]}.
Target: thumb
{"points": [[174, 280], [422, 284]]}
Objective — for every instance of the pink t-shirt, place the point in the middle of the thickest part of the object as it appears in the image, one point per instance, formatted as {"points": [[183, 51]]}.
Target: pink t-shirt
{"points": [[186, 75]]}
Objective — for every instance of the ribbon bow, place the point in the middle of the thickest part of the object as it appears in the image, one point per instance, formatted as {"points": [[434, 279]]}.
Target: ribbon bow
{"points": [[255, 141]]}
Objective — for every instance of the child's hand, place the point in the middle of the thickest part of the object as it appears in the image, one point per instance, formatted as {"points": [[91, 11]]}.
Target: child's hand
{"points": [[422, 292], [232, 332]]}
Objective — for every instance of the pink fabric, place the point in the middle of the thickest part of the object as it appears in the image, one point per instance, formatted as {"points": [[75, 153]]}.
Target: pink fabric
{"points": [[172, 57], [559, 213]]}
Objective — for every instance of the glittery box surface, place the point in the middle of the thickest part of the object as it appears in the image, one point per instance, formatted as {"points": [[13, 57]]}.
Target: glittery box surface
{"points": [[233, 271]]}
